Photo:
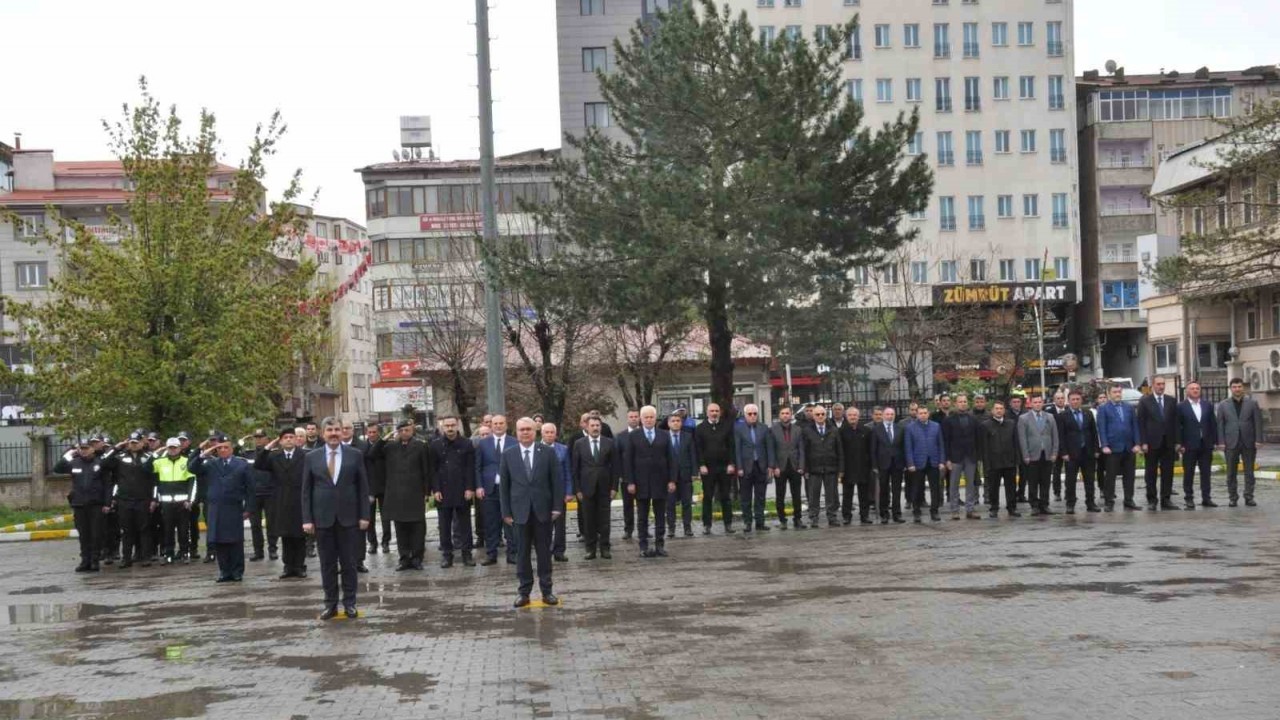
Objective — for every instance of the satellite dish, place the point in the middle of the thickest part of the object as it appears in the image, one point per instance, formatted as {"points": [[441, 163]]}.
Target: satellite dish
{"points": [[396, 154], [1111, 66]]}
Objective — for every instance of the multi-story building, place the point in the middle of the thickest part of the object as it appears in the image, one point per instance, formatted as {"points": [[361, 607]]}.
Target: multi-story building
{"points": [[6, 168], [1128, 126], [994, 87]]}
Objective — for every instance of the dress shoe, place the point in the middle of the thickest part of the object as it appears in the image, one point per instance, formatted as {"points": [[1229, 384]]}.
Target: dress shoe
{"points": [[550, 599], [255, 557], [362, 568], [416, 564], [866, 521], [626, 535], [373, 549], [1249, 502], [1152, 507], [111, 561], [273, 556], [606, 555], [916, 518], [1166, 505], [168, 559], [1189, 506], [560, 558], [82, 567], [590, 556], [1071, 509], [747, 529], [970, 515], [1092, 507], [884, 520], [223, 580], [648, 553], [782, 523], [351, 612], [729, 530], [898, 520], [446, 562], [671, 534], [311, 552], [521, 601], [706, 529], [329, 613], [301, 572], [146, 563], [762, 527], [94, 567], [1131, 505], [955, 514], [405, 565], [1109, 507], [237, 578], [208, 558], [993, 514], [660, 551], [386, 548], [1014, 513], [468, 560], [487, 561], [286, 574], [688, 531], [1209, 504], [1232, 503], [935, 517], [511, 559], [800, 526], [1046, 511], [126, 564]]}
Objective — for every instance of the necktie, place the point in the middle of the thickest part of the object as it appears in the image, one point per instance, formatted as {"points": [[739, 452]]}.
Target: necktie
{"points": [[333, 465], [648, 435], [528, 460], [1160, 403], [595, 449], [288, 456], [225, 462], [675, 441], [822, 430], [888, 427]]}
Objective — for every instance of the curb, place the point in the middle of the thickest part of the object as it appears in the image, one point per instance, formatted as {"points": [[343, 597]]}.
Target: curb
{"points": [[35, 535], [20, 527]]}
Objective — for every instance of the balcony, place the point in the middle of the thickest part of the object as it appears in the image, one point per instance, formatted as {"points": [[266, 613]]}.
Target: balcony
{"points": [[1126, 210], [946, 157], [1127, 225], [973, 158], [1055, 48], [949, 222], [1060, 220], [1058, 155], [1142, 161], [1134, 177], [977, 222]]}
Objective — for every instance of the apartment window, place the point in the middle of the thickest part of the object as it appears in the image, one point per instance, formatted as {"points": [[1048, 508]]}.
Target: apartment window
{"points": [[32, 275], [1062, 268], [1000, 87], [31, 226], [1056, 99], [861, 275], [1028, 141], [1166, 357], [999, 34], [596, 114], [946, 154], [1224, 214], [911, 35], [1032, 268], [891, 274], [792, 3], [1004, 206], [322, 230], [973, 147], [1275, 314], [852, 3], [1058, 146], [947, 269], [1251, 323], [1246, 203], [1119, 294], [1060, 210], [592, 7], [970, 36], [380, 252], [767, 33], [1213, 355], [793, 32], [853, 46], [942, 93], [1002, 141], [1007, 271], [381, 297], [854, 90], [1031, 205], [1027, 87], [977, 270], [916, 215], [1026, 33], [977, 218], [1053, 37], [1197, 220], [915, 144], [914, 93], [1120, 105], [822, 34], [595, 58], [884, 90], [972, 95], [941, 40], [947, 212], [919, 272], [882, 36], [764, 3]]}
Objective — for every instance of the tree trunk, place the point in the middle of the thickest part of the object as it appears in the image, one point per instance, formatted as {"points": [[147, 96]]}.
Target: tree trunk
{"points": [[461, 400], [721, 339]]}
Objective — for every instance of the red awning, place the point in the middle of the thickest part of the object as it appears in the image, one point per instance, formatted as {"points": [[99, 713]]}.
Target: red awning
{"points": [[807, 381]]}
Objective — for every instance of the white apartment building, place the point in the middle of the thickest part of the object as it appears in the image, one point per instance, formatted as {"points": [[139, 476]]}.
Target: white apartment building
{"points": [[993, 84]]}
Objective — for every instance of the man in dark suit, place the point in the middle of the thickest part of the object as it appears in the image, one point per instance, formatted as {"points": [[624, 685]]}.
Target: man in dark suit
{"points": [[1078, 450], [230, 502], [1000, 460], [286, 466], [1158, 436], [651, 475], [628, 500], [960, 433], [754, 457], [409, 482], [823, 457], [887, 456], [684, 455], [1197, 434], [1059, 405], [335, 506], [488, 477], [788, 445], [714, 440], [596, 469], [560, 528], [531, 494], [855, 448], [453, 469], [376, 469], [1118, 435], [1240, 432]]}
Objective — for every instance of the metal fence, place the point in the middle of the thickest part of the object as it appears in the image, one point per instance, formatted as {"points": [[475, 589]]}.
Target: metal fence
{"points": [[15, 460]]}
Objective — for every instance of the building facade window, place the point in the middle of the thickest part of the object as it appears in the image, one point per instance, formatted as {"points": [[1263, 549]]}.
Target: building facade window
{"points": [[767, 34], [914, 91], [970, 34], [32, 275], [1027, 87], [1060, 212], [1030, 205], [973, 147], [1120, 295], [999, 34], [1058, 145], [911, 35], [1000, 87], [1002, 141], [884, 90], [595, 58], [853, 88], [1008, 273], [1053, 37], [853, 46], [882, 36], [920, 272], [31, 226], [915, 144], [946, 154], [947, 212], [941, 40], [1026, 33], [1004, 206], [972, 94], [595, 115], [942, 92], [592, 7], [1031, 266], [1028, 141], [977, 270], [1166, 357], [947, 269], [977, 218], [1057, 100], [1062, 268]]}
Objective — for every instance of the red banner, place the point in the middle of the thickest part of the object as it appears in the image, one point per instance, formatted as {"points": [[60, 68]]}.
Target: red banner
{"points": [[397, 369]]}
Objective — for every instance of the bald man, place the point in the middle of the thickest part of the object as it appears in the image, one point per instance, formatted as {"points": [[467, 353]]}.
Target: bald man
{"points": [[755, 461]]}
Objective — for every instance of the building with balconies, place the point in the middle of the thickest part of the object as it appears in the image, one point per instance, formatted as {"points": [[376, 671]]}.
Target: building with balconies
{"points": [[1128, 125]]}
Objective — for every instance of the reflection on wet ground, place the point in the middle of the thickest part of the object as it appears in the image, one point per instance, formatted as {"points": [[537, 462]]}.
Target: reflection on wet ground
{"points": [[788, 624]]}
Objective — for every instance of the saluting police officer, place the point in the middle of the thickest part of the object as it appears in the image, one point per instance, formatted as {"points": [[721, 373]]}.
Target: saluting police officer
{"points": [[90, 500], [134, 497], [175, 489]]}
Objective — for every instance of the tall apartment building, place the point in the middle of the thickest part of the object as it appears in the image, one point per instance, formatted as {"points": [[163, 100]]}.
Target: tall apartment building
{"points": [[1128, 126], [994, 87]]}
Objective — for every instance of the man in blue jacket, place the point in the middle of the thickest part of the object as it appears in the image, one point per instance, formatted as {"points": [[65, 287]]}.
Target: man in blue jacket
{"points": [[925, 455], [1118, 433], [488, 464], [230, 502], [549, 433]]}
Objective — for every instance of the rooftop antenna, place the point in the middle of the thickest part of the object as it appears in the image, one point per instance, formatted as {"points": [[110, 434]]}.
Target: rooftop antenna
{"points": [[1111, 66]]}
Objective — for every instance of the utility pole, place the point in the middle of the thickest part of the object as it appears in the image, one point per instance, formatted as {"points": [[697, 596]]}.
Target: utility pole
{"points": [[1044, 387], [495, 381]]}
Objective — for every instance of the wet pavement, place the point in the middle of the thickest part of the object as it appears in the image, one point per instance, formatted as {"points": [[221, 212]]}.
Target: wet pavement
{"points": [[1123, 615]]}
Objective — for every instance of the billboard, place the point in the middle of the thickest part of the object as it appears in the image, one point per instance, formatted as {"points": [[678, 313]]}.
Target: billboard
{"points": [[1003, 293]]}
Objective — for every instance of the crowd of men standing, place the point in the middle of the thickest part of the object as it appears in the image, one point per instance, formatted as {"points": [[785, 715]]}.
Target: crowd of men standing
{"points": [[313, 490]]}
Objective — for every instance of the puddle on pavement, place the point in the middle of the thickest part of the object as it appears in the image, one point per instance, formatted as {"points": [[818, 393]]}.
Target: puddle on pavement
{"points": [[48, 613], [1178, 674], [41, 590], [181, 704], [339, 672], [1188, 553]]}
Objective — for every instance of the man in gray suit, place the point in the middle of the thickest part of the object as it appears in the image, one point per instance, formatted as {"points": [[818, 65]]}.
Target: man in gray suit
{"points": [[1240, 425], [789, 448], [532, 499], [1038, 444], [754, 457]]}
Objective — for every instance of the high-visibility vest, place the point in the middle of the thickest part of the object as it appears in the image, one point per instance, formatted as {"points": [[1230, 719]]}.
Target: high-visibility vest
{"points": [[174, 481]]}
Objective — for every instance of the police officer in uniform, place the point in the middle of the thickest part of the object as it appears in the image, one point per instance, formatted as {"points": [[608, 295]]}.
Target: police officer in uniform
{"points": [[263, 492], [175, 489], [134, 497], [90, 500], [230, 498]]}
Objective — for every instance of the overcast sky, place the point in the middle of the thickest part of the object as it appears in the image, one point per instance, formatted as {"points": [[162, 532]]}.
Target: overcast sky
{"points": [[343, 72]]}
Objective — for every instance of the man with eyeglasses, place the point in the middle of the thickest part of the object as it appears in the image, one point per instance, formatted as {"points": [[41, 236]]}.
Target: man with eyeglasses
{"points": [[755, 461]]}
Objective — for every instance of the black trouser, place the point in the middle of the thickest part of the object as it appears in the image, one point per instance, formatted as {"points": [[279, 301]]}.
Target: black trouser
{"points": [[262, 511], [230, 559], [1022, 482], [659, 505], [715, 487], [109, 539], [1159, 460], [865, 487], [559, 527], [135, 529], [1118, 463], [1057, 476], [480, 522], [927, 474], [1038, 481], [339, 547], [156, 530], [293, 553], [682, 496], [752, 487], [194, 524], [1084, 464], [823, 483], [1009, 477], [788, 476], [533, 536], [890, 495], [411, 539], [376, 509], [454, 520], [582, 523], [88, 519], [628, 511], [595, 513], [1192, 460], [176, 517]]}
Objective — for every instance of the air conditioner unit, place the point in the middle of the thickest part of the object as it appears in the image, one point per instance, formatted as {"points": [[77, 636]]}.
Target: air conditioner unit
{"points": [[1275, 358], [1255, 378], [1274, 378]]}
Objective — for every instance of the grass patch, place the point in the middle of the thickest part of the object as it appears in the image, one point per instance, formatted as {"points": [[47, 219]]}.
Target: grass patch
{"points": [[13, 516]]}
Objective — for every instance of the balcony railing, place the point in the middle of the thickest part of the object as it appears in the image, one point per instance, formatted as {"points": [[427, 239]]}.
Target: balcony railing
{"points": [[946, 157], [971, 50], [973, 158], [1127, 210], [977, 222], [1058, 155], [1056, 102], [1059, 220], [948, 223], [972, 104], [1055, 48], [942, 50], [943, 105], [1141, 161]]}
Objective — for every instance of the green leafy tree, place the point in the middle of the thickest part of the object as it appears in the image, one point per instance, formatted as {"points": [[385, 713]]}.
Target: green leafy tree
{"points": [[746, 177], [192, 320]]}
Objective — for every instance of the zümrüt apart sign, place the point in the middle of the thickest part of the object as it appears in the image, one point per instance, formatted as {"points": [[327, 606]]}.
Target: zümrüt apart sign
{"points": [[1003, 293]]}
